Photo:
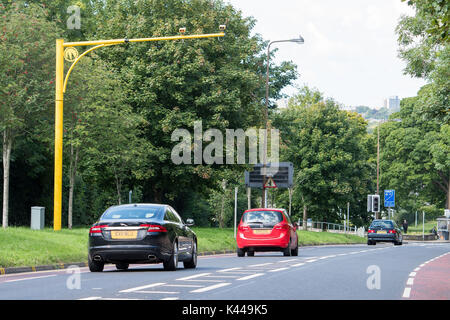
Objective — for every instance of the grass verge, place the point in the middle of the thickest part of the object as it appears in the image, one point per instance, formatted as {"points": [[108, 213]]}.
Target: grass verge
{"points": [[20, 246]]}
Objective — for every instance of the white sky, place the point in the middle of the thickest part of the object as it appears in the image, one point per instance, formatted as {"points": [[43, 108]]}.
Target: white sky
{"points": [[350, 49]]}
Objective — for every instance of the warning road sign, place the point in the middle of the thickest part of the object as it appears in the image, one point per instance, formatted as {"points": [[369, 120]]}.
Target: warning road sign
{"points": [[270, 183]]}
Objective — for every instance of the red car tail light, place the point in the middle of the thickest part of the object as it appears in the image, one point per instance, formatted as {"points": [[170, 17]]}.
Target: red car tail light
{"points": [[281, 226], [392, 231], [243, 227], [370, 231], [97, 229], [154, 228]]}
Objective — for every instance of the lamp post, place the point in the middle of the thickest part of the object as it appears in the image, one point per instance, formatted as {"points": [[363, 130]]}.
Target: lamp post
{"points": [[66, 50], [298, 40]]}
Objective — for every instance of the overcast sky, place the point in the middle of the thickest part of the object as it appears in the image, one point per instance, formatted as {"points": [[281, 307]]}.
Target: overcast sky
{"points": [[350, 49]]}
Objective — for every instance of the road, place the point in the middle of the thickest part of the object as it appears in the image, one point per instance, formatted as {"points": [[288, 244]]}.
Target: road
{"points": [[354, 272]]}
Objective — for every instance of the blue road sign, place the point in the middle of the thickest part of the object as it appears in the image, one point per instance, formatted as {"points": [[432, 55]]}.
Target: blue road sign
{"points": [[389, 198]]}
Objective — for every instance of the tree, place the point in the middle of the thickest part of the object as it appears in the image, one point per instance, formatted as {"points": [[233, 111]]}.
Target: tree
{"points": [[27, 76], [327, 147], [174, 83], [414, 157], [424, 45]]}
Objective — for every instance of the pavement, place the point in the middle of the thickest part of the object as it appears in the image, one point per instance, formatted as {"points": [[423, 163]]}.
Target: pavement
{"points": [[332, 272]]}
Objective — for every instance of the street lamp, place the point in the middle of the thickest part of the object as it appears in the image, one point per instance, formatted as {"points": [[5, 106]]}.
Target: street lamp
{"points": [[298, 40]]}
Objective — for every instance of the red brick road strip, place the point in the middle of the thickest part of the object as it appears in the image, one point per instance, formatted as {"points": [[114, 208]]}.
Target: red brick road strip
{"points": [[430, 280]]}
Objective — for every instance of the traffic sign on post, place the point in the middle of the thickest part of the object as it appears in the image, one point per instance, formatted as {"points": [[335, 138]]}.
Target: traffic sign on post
{"points": [[282, 174], [389, 198]]}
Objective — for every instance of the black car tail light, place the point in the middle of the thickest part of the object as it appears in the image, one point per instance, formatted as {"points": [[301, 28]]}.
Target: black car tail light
{"points": [[154, 228], [97, 229]]}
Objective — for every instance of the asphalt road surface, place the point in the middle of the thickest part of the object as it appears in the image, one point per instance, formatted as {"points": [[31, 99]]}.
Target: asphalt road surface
{"points": [[357, 272]]}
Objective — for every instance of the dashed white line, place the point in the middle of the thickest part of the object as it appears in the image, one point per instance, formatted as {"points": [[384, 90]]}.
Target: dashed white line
{"points": [[406, 293], [143, 287], [279, 269], [297, 264], [194, 276], [260, 265], [410, 281], [250, 276], [30, 278], [219, 285]]}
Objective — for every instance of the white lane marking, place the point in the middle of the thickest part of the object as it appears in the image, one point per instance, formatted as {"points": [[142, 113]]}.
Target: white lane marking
{"points": [[225, 270], [158, 292], [279, 269], [406, 293], [30, 278], [311, 260], [297, 264], [410, 281], [143, 287], [170, 298], [183, 285], [290, 260], [219, 285], [412, 274], [417, 269], [260, 265], [90, 298], [194, 276], [222, 276], [250, 276]]}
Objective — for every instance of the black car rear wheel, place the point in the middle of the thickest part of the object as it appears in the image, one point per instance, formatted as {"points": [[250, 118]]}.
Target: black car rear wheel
{"points": [[95, 266], [250, 253], [192, 263], [172, 263], [240, 252], [294, 252], [287, 251], [371, 242], [122, 266]]}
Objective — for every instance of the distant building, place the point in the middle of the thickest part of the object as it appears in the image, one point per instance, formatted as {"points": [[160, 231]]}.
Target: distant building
{"points": [[393, 104]]}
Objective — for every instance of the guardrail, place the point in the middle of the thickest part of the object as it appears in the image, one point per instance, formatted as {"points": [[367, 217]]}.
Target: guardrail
{"points": [[327, 226]]}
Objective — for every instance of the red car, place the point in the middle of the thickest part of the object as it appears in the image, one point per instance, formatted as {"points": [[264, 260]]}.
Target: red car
{"points": [[266, 230]]}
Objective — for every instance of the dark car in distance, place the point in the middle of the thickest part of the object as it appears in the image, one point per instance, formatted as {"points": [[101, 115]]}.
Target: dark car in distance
{"points": [[141, 233], [384, 231]]}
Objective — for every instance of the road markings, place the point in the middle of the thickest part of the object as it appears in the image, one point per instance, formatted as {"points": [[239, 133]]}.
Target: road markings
{"points": [[410, 281], [230, 269], [407, 292], [183, 285], [90, 298], [313, 260], [260, 265], [279, 269], [159, 292], [412, 274], [194, 276], [143, 287], [170, 298], [30, 278], [250, 276], [297, 264], [219, 285]]}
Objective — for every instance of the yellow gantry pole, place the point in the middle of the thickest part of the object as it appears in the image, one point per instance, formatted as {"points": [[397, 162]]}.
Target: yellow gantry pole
{"points": [[60, 89], [59, 96]]}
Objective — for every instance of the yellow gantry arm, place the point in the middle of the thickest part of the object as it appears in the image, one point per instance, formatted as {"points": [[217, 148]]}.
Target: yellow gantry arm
{"points": [[60, 89]]}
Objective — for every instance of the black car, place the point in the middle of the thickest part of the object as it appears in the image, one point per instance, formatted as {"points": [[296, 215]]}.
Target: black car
{"points": [[141, 233], [384, 231]]}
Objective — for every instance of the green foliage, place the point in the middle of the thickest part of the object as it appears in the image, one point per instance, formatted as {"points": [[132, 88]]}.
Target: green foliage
{"points": [[424, 46], [328, 149]]}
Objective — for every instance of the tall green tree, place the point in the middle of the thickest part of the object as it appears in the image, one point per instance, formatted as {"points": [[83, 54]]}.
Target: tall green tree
{"points": [[26, 66], [174, 83], [328, 148], [424, 45]]}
